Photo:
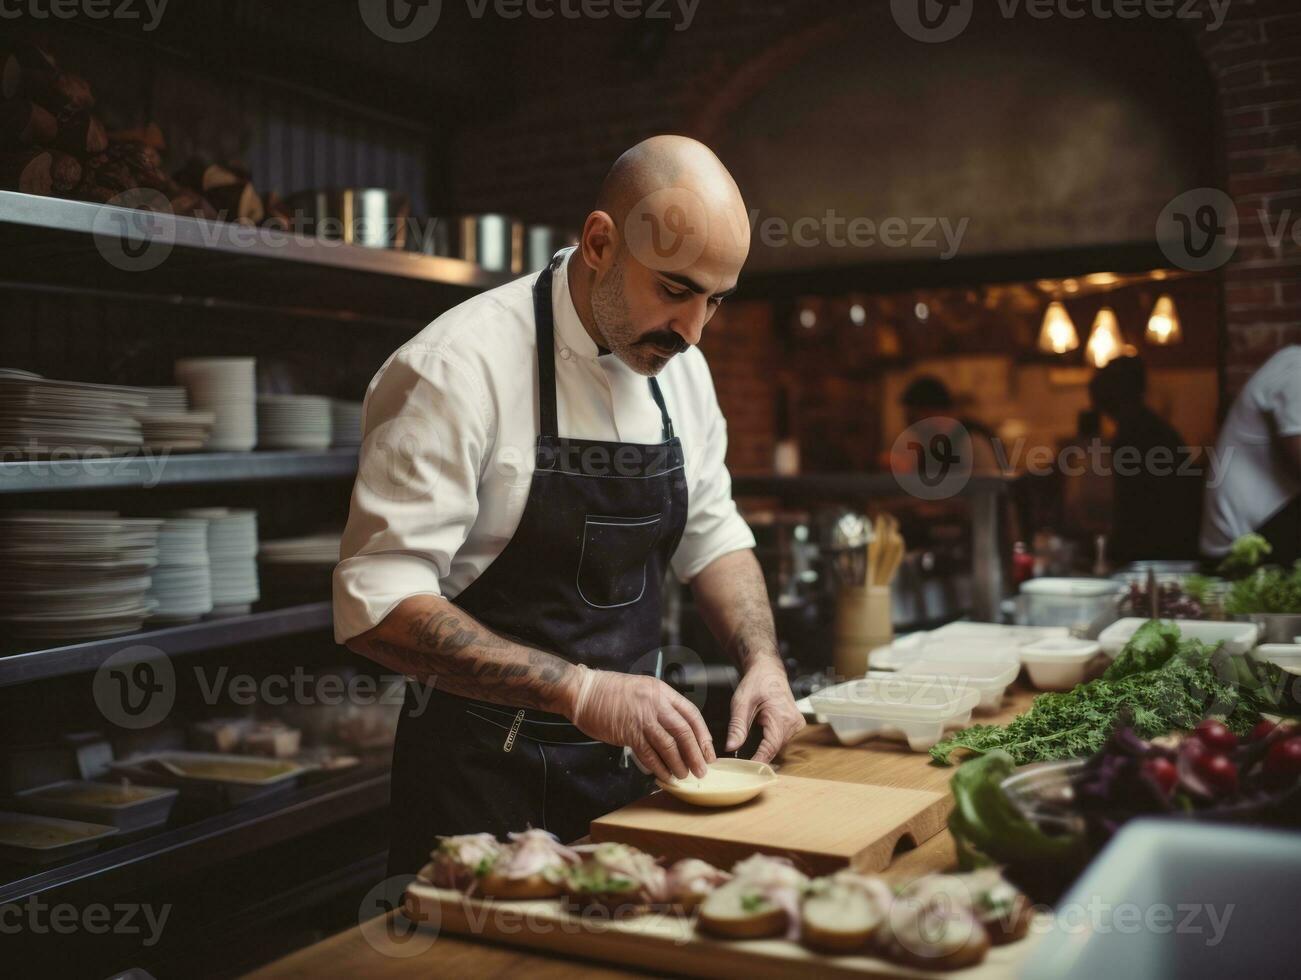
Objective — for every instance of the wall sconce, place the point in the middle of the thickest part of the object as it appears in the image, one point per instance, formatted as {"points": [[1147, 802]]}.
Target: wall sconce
{"points": [[1058, 334], [1105, 342], [1163, 325]]}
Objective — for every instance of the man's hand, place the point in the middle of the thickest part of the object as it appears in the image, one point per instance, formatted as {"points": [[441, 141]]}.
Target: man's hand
{"points": [[662, 728], [764, 695]]}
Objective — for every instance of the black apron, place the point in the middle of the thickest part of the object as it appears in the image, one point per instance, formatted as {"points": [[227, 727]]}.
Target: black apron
{"points": [[1283, 532], [581, 578]]}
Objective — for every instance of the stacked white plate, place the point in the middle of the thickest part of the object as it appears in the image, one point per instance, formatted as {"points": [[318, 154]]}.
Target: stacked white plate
{"points": [[294, 421], [224, 386], [75, 575], [41, 417], [176, 431], [299, 569], [312, 549], [345, 419], [182, 582], [232, 557]]}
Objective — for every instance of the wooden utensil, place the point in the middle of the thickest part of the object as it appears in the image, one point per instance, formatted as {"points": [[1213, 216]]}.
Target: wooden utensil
{"points": [[820, 823]]}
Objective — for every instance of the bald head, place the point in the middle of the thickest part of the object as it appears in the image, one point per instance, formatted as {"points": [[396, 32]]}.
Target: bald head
{"points": [[664, 162], [662, 250]]}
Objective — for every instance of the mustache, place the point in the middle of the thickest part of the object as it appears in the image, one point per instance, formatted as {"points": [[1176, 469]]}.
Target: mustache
{"points": [[666, 340]]}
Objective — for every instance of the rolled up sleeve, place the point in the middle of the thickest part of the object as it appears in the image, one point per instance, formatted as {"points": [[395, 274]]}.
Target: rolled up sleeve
{"points": [[425, 435], [714, 525]]}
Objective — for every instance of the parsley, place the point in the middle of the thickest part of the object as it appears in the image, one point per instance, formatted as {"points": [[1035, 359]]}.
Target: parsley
{"points": [[752, 903], [1163, 683]]}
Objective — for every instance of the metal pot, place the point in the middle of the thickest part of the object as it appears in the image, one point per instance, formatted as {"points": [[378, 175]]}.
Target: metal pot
{"points": [[1276, 627], [366, 216], [541, 243], [495, 242]]}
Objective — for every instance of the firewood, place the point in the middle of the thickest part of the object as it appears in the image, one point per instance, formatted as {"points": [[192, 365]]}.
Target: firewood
{"points": [[24, 123], [149, 135], [65, 171], [193, 203], [237, 202], [20, 64], [80, 132], [28, 171], [201, 176], [278, 215]]}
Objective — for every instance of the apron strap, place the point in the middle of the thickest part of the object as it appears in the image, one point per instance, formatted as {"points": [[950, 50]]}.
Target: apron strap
{"points": [[545, 326]]}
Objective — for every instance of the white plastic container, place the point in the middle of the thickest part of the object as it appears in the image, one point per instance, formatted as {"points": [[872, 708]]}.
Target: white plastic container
{"points": [[990, 675], [1059, 664], [1286, 655], [1238, 638], [919, 709], [1083, 604], [1018, 635]]}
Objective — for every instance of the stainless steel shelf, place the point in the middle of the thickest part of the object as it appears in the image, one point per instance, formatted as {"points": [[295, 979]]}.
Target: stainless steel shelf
{"points": [[47, 242], [175, 851], [26, 476], [24, 666]]}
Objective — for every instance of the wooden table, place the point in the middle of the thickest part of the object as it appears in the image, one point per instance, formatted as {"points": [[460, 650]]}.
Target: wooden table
{"points": [[813, 753]]}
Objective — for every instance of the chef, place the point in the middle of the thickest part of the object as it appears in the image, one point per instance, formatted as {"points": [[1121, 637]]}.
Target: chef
{"points": [[1258, 484], [535, 461]]}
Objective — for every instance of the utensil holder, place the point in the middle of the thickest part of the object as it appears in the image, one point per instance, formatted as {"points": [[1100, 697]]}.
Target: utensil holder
{"points": [[863, 624]]}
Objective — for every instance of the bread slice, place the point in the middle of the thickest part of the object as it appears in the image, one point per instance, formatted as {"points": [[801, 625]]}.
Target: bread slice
{"points": [[839, 920], [732, 911], [516, 889], [963, 944], [1010, 926]]}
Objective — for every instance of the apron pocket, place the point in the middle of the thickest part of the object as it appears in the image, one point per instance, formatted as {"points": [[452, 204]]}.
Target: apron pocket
{"points": [[612, 566]]}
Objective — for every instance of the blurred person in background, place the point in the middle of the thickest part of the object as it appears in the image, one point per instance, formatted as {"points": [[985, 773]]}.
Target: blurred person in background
{"points": [[1258, 485], [928, 399], [1155, 507]]}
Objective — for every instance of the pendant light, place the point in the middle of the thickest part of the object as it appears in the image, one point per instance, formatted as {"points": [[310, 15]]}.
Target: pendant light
{"points": [[1058, 334], [1163, 325], [1105, 342]]}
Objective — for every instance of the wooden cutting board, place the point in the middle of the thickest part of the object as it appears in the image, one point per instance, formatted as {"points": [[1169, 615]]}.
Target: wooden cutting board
{"points": [[820, 823], [661, 943]]}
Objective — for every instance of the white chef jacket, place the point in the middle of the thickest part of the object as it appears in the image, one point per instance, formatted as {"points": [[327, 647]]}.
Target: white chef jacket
{"points": [[1254, 482], [450, 424]]}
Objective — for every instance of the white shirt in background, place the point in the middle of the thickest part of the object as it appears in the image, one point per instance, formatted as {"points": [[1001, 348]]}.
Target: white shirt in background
{"points": [[450, 423], [1256, 482]]}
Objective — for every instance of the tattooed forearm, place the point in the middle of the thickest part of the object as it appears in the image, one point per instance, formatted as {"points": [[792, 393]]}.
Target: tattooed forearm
{"points": [[733, 599], [428, 638]]}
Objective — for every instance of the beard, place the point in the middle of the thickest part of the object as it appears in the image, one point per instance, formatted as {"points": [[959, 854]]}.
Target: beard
{"points": [[614, 323]]}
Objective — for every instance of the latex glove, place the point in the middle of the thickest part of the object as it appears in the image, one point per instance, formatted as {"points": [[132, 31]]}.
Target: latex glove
{"points": [[764, 694], [662, 728]]}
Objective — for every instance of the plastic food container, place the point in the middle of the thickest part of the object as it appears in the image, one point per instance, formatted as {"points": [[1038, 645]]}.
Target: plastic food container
{"points": [[1286, 655], [1082, 604], [139, 808], [990, 676], [33, 839], [226, 779], [1018, 635], [1059, 664], [1238, 638], [919, 709]]}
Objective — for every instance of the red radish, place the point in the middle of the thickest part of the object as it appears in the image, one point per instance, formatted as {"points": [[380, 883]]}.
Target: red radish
{"points": [[1285, 757], [1216, 735], [1162, 772], [1219, 772], [1263, 730]]}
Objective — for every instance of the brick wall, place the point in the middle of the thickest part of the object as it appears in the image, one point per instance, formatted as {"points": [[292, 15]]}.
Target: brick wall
{"points": [[1256, 60], [534, 164]]}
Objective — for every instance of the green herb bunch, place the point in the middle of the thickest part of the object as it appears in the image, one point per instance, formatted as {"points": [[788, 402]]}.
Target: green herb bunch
{"points": [[1164, 683]]}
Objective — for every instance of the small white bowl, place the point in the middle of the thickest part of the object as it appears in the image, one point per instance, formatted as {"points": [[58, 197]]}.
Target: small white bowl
{"points": [[1058, 664], [728, 782]]}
